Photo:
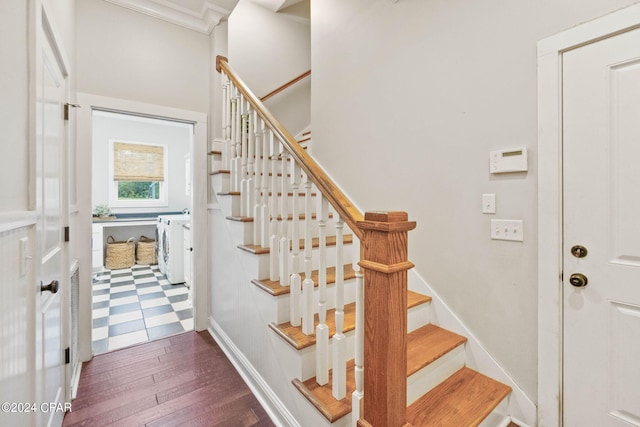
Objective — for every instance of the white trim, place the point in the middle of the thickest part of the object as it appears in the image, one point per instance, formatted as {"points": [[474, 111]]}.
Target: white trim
{"points": [[550, 229], [14, 220], [198, 203], [274, 407], [210, 15]]}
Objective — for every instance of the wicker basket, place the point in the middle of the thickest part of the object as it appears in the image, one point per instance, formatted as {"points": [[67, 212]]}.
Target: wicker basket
{"points": [[146, 251], [120, 254]]}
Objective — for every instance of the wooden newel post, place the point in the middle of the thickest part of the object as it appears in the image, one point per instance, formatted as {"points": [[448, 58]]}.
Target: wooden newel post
{"points": [[385, 318]]}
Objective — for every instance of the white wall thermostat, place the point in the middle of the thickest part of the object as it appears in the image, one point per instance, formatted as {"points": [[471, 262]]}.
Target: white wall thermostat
{"points": [[503, 161]]}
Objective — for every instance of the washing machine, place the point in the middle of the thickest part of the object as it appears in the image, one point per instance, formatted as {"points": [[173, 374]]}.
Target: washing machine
{"points": [[170, 239]]}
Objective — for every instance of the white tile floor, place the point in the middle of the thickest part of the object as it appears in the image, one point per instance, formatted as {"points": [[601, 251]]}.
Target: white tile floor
{"points": [[135, 305]]}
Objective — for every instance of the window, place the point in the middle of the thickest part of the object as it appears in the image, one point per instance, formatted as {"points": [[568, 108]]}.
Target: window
{"points": [[137, 174]]}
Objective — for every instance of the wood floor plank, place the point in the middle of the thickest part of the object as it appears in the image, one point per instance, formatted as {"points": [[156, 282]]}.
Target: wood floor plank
{"points": [[182, 380]]}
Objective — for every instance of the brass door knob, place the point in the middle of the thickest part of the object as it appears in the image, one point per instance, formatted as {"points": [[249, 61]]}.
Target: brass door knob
{"points": [[52, 287], [578, 280], [579, 251]]}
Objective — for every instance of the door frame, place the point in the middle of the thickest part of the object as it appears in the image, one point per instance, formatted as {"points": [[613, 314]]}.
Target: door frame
{"points": [[89, 102], [550, 200]]}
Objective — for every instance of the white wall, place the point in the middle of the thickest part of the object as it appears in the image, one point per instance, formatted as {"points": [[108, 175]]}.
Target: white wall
{"points": [[219, 45], [176, 136], [129, 55], [14, 107], [424, 91], [269, 49]]}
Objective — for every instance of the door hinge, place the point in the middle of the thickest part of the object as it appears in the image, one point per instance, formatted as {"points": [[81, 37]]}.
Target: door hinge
{"points": [[66, 234], [66, 109], [67, 356]]}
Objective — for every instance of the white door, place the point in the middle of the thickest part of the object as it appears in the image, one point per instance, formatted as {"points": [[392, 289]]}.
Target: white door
{"points": [[50, 198], [601, 143]]}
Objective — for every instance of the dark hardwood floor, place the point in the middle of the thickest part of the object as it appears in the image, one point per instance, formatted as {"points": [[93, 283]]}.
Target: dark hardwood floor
{"points": [[182, 380]]}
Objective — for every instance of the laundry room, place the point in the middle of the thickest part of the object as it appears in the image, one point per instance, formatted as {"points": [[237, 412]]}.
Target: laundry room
{"points": [[141, 194]]}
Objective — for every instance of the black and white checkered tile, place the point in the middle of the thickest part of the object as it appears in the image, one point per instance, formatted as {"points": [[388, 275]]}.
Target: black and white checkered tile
{"points": [[135, 305]]}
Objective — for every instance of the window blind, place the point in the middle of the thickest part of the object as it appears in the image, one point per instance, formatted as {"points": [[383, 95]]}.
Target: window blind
{"points": [[138, 162]]}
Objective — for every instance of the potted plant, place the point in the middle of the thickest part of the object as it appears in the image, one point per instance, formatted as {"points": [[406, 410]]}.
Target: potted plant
{"points": [[101, 211]]}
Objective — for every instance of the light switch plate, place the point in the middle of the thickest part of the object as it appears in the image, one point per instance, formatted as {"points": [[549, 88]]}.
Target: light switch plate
{"points": [[489, 203], [507, 229]]}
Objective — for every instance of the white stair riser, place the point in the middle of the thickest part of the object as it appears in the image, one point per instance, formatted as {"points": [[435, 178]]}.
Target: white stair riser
{"points": [[499, 416], [217, 144], [215, 162], [221, 182], [433, 374], [242, 232], [349, 297], [263, 273], [290, 198], [315, 230]]}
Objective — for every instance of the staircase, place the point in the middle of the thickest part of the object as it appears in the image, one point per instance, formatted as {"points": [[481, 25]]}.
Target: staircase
{"points": [[381, 360]]}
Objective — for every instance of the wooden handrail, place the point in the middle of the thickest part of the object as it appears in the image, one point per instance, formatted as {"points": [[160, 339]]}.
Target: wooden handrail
{"points": [[286, 85], [343, 206]]}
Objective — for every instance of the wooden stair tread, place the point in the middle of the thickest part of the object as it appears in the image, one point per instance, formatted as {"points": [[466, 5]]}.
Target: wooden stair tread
{"points": [[429, 343], [294, 336], [424, 346], [215, 153], [237, 193], [463, 399], [322, 398], [220, 172], [301, 217], [275, 289], [331, 241]]}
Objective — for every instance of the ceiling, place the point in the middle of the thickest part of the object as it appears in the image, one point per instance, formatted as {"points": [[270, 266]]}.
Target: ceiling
{"points": [[198, 15]]}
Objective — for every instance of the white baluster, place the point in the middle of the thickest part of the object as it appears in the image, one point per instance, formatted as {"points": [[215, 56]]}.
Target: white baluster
{"points": [[274, 242], [322, 330], [339, 371], [244, 132], [256, 210], [235, 140], [358, 394], [285, 246], [307, 285], [295, 286], [225, 109], [226, 124], [264, 200]]}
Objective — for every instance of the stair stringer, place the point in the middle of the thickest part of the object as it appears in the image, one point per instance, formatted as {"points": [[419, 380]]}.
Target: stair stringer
{"points": [[238, 321], [521, 409]]}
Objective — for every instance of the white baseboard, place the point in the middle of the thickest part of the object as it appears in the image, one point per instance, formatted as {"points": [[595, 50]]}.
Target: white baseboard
{"points": [[276, 410], [75, 380]]}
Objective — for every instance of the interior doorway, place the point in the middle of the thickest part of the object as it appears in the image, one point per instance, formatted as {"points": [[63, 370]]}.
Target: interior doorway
{"points": [[194, 125], [141, 228]]}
